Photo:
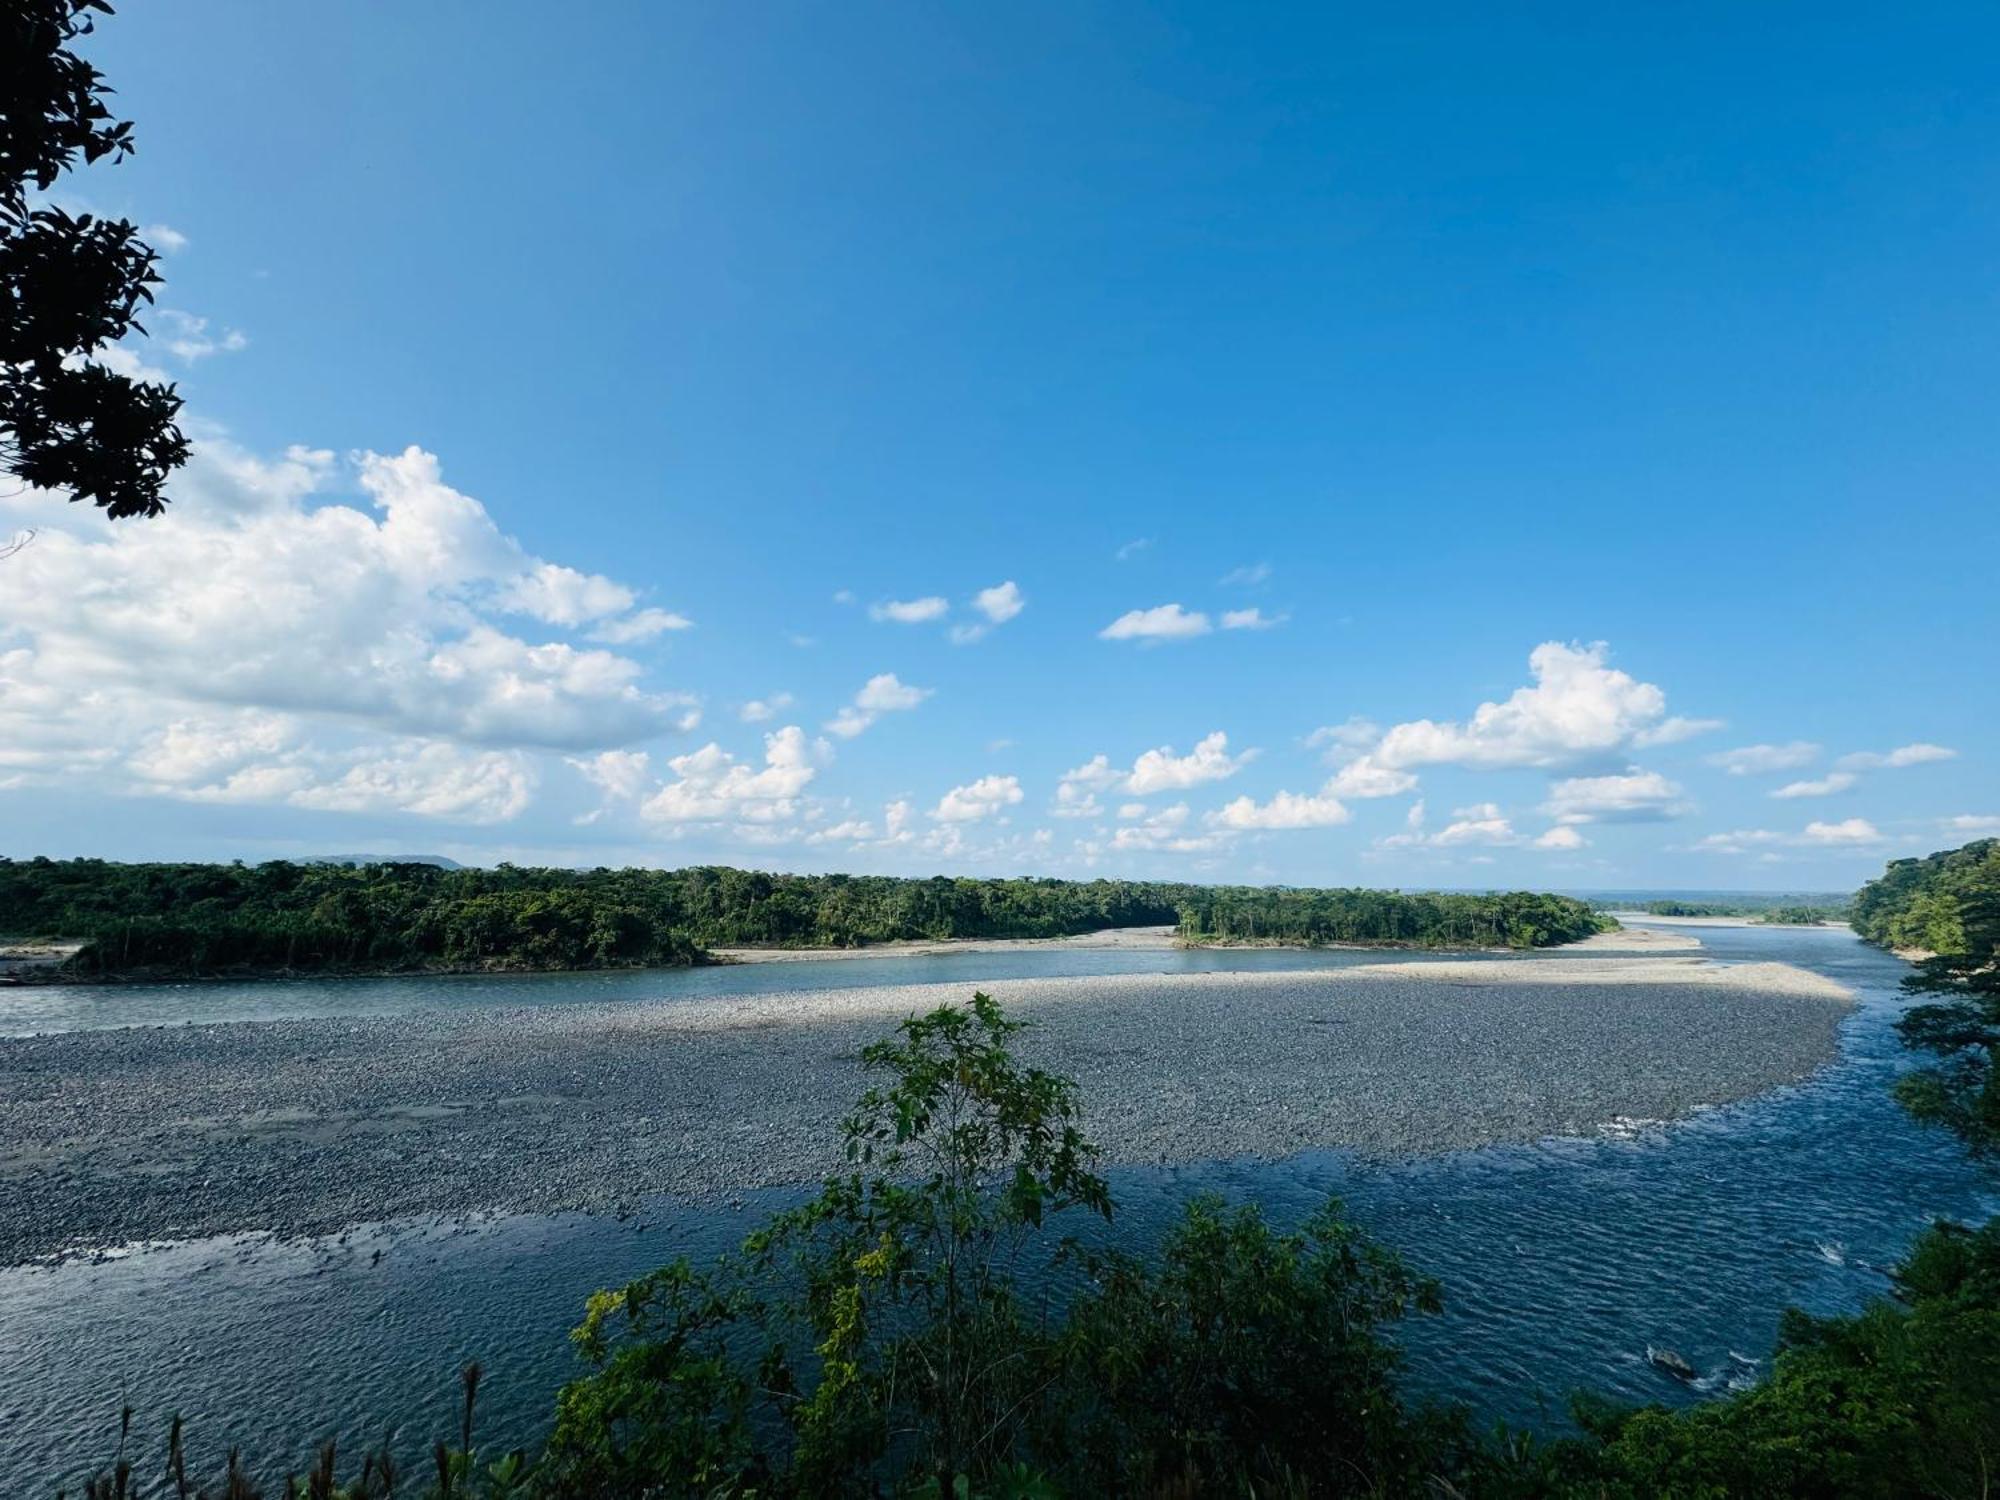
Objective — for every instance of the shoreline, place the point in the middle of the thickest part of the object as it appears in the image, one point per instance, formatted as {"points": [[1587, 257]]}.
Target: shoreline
{"points": [[303, 1127]]}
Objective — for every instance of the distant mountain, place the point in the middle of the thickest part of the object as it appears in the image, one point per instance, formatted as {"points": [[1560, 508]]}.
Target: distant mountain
{"points": [[379, 859]]}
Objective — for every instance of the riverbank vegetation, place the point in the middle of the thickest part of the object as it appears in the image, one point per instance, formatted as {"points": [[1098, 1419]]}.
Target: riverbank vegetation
{"points": [[1924, 903], [136, 920], [1777, 911], [1514, 919]]}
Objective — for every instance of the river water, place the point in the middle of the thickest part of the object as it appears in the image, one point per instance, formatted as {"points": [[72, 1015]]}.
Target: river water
{"points": [[1561, 1261]]}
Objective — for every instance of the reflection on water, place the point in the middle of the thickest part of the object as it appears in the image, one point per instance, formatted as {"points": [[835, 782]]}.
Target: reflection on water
{"points": [[1561, 1262]]}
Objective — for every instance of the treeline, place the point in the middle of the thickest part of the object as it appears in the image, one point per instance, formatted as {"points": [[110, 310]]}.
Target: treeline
{"points": [[328, 918], [1931, 903], [1774, 909], [278, 916], [1507, 919]]}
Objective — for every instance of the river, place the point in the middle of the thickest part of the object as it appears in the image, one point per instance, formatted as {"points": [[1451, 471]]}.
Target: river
{"points": [[1561, 1261]]}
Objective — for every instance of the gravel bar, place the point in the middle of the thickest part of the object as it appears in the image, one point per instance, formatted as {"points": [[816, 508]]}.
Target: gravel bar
{"points": [[311, 1126]]}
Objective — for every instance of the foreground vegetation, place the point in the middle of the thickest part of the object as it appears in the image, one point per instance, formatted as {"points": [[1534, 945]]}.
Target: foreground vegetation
{"points": [[204, 919]]}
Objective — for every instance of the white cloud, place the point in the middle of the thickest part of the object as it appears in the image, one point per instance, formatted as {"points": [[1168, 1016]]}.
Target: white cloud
{"points": [[910, 611], [1825, 786], [643, 625], [1750, 760], [1164, 622], [164, 237], [883, 693], [1340, 740], [619, 774], [1076, 793], [1161, 770], [1904, 755], [1635, 797], [1972, 823], [434, 780], [1132, 548], [998, 604], [1482, 825], [1248, 576], [1850, 832], [188, 339], [1001, 602], [978, 799], [1286, 810], [1250, 619], [1165, 832], [1579, 709], [762, 710], [1847, 831], [1672, 731], [373, 633], [1362, 778], [711, 784]]}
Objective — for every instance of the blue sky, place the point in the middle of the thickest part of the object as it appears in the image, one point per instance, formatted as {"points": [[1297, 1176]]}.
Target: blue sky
{"points": [[1447, 343]]}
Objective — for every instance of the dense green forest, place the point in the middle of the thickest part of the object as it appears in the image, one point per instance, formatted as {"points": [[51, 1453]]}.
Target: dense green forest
{"points": [[1924, 903], [282, 917], [1778, 910], [1513, 919]]}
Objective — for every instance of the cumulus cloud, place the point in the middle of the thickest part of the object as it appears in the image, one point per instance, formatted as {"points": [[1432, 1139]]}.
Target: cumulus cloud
{"points": [[1904, 755], [1163, 622], [884, 693], [978, 799], [1362, 778], [1579, 709], [1751, 760], [1850, 832], [1342, 740], [997, 605], [640, 625], [762, 710], [1481, 825], [164, 237], [1250, 619], [1635, 797], [710, 784], [1562, 837], [1164, 832], [1160, 770], [250, 597], [1973, 824], [1076, 793], [910, 611], [188, 337], [1825, 786], [1847, 831], [1286, 810]]}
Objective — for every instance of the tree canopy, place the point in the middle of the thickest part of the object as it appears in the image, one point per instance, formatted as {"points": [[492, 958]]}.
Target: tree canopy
{"points": [[72, 283]]}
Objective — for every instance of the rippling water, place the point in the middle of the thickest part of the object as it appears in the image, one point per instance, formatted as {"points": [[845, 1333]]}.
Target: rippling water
{"points": [[1560, 1261]]}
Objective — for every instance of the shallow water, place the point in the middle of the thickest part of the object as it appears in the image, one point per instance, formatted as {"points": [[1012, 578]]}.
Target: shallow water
{"points": [[26, 1010], [1560, 1261]]}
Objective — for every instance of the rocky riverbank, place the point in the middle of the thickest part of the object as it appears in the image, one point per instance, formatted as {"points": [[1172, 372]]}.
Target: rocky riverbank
{"points": [[308, 1126]]}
